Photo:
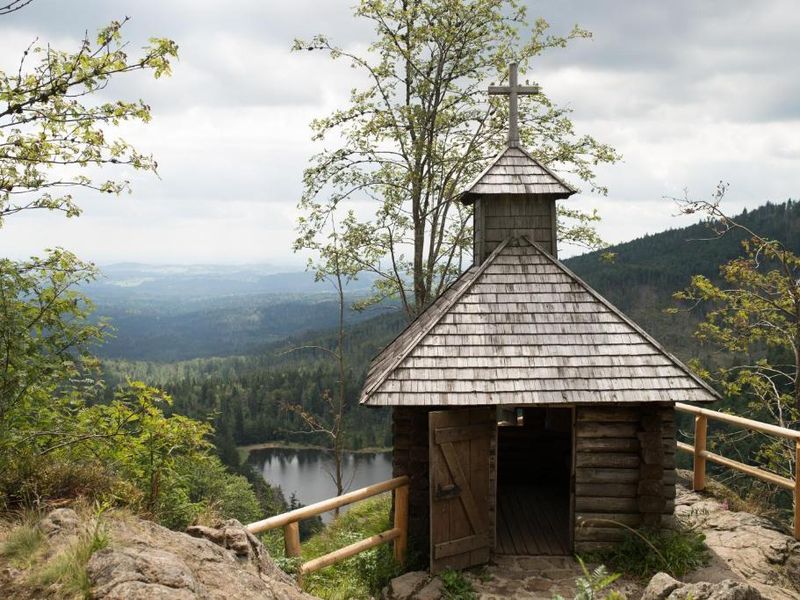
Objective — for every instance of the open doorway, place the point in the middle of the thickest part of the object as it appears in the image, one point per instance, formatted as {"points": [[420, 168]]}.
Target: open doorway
{"points": [[534, 470]]}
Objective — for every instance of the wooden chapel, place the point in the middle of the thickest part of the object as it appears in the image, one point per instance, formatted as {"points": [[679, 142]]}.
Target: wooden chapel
{"points": [[529, 413]]}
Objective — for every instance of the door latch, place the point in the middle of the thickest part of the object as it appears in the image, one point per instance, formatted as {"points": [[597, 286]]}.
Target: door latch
{"points": [[444, 492]]}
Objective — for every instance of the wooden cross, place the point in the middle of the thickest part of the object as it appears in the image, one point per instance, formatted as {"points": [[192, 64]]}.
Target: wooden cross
{"points": [[512, 90]]}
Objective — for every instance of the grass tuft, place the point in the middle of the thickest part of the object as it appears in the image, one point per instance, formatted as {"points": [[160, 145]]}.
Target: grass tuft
{"points": [[644, 552], [21, 544], [67, 569]]}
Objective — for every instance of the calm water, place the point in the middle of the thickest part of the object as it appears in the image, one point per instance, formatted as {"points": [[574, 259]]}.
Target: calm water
{"points": [[305, 472]]}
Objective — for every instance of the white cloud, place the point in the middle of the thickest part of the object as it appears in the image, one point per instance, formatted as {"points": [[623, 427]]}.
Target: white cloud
{"points": [[689, 93]]}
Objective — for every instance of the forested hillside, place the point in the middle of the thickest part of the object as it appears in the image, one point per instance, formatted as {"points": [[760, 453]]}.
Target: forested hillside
{"points": [[647, 271], [246, 395]]}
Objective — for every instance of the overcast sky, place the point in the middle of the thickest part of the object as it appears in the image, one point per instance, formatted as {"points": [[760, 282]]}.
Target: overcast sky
{"points": [[690, 93]]}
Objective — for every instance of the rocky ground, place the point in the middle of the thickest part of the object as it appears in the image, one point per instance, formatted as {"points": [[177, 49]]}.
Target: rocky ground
{"points": [[751, 558], [145, 561]]}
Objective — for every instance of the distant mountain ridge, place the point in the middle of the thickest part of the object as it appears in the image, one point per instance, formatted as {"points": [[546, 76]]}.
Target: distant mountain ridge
{"points": [[245, 394], [174, 312]]}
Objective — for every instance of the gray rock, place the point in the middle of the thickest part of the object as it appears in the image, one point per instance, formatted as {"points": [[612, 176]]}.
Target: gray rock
{"points": [[744, 547], [150, 561], [58, 521], [660, 587], [433, 590], [664, 587], [145, 573], [406, 586]]}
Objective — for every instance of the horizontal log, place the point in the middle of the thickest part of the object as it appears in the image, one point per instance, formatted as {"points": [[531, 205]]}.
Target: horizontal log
{"points": [[611, 460], [620, 414], [593, 475], [610, 430], [348, 551], [611, 490], [626, 444], [587, 547], [317, 508], [608, 414], [597, 504], [583, 519], [617, 490], [599, 534], [740, 421]]}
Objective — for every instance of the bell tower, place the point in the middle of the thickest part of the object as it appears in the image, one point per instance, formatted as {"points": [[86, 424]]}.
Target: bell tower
{"points": [[516, 194]]}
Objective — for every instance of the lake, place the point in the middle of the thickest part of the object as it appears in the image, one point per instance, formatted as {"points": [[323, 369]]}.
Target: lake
{"points": [[304, 472]]}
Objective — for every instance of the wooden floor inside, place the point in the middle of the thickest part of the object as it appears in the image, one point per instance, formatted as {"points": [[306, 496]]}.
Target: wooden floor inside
{"points": [[532, 520]]}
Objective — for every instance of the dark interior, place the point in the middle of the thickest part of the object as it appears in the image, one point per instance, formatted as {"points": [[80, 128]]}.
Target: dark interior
{"points": [[534, 458]]}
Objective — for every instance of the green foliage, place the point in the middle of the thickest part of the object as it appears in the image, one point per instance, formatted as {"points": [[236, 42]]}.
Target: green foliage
{"points": [[44, 332], [644, 552], [422, 128], [22, 543], [361, 576], [49, 136], [456, 586], [593, 585]]}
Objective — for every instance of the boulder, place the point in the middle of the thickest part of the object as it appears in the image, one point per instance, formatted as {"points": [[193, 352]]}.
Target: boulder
{"points": [[141, 573], [660, 587], [744, 547], [148, 561], [406, 586], [433, 590], [60, 521], [664, 587]]}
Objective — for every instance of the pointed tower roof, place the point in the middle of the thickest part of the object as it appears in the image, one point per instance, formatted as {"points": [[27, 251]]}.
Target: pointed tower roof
{"points": [[514, 171], [522, 329]]}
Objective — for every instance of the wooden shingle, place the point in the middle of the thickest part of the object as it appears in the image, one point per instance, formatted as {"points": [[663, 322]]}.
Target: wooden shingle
{"points": [[521, 329], [514, 171]]}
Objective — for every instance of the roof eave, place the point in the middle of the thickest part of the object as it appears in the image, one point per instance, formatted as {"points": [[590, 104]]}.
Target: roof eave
{"points": [[468, 197]]}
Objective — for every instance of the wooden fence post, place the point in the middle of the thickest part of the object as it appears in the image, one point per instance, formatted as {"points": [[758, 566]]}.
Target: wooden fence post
{"points": [[291, 538], [700, 434], [401, 523], [797, 489]]}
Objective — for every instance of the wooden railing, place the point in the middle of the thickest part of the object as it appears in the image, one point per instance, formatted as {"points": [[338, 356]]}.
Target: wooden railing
{"points": [[291, 529], [701, 455]]}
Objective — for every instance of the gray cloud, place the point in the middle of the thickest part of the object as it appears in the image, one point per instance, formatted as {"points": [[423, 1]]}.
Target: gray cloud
{"points": [[689, 92]]}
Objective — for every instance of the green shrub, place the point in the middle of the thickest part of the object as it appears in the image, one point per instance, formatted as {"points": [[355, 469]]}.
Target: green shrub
{"points": [[644, 552], [456, 586]]}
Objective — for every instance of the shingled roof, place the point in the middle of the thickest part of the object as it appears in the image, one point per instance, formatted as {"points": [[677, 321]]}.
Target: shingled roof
{"points": [[520, 329], [514, 171]]}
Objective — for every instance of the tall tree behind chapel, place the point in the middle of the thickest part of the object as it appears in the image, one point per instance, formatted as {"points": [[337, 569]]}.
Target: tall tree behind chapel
{"points": [[422, 128]]}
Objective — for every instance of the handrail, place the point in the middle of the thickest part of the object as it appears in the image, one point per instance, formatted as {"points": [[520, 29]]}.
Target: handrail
{"points": [[742, 421], [701, 455], [291, 531]]}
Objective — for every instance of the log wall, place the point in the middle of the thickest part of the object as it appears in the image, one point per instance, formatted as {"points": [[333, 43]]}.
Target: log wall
{"points": [[624, 470], [499, 217]]}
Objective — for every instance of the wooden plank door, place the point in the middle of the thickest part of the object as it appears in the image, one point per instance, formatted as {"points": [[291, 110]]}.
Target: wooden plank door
{"points": [[460, 486]]}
